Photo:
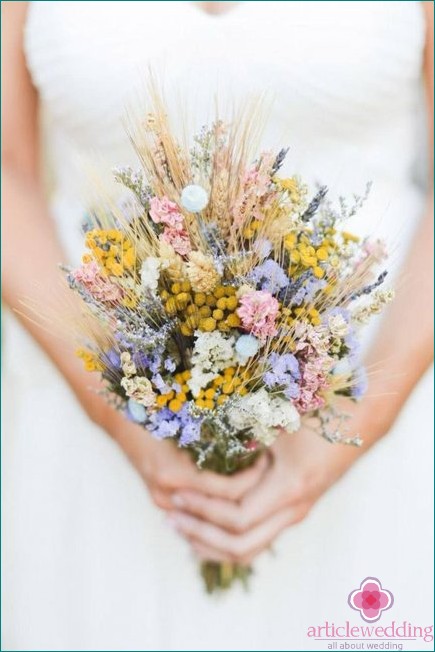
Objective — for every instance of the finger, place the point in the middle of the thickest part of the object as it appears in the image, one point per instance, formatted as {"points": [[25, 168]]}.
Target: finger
{"points": [[219, 511], [207, 553], [262, 501], [241, 547], [162, 499], [275, 492], [231, 487]]}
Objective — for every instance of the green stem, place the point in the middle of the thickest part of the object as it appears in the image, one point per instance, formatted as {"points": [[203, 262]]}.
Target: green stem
{"points": [[222, 575]]}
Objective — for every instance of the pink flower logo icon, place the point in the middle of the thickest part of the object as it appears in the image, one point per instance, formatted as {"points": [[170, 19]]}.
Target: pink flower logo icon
{"points": [[370, 599]]}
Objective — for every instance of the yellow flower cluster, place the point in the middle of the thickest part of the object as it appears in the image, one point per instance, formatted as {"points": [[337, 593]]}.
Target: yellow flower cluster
{"points": [[304, 256], [111, 249], [221, 388], [90, 360], [293, 187], [174, 401], [198, 310], [349, 237], [312, 315], [215, 394], [251, 230]]}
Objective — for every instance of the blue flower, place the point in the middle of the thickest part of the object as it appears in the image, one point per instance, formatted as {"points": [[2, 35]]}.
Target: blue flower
{"points": [[246, 347], [136, 411], [194, 198]]}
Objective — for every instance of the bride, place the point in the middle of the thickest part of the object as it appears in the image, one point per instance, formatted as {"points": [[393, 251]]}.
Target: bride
{"points": [[91, 559]]}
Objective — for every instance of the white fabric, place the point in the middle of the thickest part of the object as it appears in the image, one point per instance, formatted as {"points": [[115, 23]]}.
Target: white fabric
{"points": [[89, 562]]}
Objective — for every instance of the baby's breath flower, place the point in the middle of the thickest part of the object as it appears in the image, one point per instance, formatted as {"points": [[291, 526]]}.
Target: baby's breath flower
{"points": [[150, 273]]}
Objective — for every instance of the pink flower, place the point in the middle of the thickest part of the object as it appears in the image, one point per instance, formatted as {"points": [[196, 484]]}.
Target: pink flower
{"points": [[166, 212], [258, 311], [370, 599], [99, 286], [313, 380], [178, 238], [376, 249], [258, 176]]}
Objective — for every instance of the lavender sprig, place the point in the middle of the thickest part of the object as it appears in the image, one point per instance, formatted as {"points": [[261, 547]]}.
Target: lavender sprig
{"points": [[368, 289], [279, 159], [314, 204]]}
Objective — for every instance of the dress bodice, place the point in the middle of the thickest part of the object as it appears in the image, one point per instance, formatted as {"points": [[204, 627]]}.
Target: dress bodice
{"points": [[342, 79]]}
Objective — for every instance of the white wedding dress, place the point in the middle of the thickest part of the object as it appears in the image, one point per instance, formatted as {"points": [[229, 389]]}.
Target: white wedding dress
{"points": [[89, 562]]}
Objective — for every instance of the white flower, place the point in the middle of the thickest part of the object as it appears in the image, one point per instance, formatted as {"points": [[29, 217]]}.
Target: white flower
{"points": [[285, 415], [199, 379], [338, 326], [150, 273], [263, 415], [263, 434], [212, 352]]}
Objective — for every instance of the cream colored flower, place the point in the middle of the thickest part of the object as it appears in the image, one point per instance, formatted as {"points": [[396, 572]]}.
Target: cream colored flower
{"points": [[202, 272], [127, 364], [244, 289], [140, 389], [338, 326], [171, 262]]}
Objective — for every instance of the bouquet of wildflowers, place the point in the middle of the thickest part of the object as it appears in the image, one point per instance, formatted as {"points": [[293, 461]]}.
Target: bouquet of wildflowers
{"points": [[225, 305]]}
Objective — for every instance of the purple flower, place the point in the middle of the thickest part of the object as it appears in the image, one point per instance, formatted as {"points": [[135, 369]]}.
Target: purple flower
{"points": [[140, 359], [113, 359], [353, 346], [160, 384], [190, 426], [190, 432], [308, 291], [155, 363], [284, 373], [359, 383], [269, 276], [163, 424], [170, 365]]}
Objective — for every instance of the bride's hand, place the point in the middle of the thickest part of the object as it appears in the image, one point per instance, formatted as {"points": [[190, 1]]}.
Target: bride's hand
{"points": [[167, 469], [303, 466]]}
